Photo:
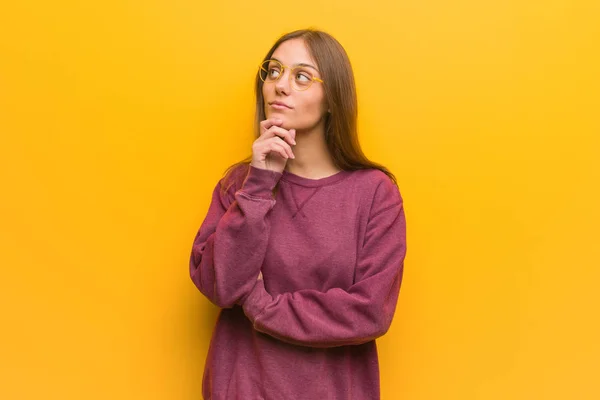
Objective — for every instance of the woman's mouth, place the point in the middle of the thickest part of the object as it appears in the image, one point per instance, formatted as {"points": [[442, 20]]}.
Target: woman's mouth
{"points": [[279, 106]]}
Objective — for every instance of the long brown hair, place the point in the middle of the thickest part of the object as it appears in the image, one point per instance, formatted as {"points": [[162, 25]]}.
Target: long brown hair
{"points": [[341, 133]]}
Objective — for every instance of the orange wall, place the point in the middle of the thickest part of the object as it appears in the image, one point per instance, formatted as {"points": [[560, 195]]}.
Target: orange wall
{"points": [[117, 119]]}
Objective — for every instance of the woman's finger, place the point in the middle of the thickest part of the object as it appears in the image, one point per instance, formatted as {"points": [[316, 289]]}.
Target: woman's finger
{"points": [[288, 149], [283, 133], [277, 146], [268, 123]]}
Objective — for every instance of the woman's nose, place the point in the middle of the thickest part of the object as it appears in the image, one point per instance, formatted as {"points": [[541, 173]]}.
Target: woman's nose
{"points": [[283, 83]]}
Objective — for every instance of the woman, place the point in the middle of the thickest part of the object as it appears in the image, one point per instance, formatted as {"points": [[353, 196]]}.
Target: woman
{"points": [[304, 242]]}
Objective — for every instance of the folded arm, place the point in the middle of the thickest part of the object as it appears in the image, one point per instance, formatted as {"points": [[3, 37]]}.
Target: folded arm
{"points": [[340, 317], [230, 246]]}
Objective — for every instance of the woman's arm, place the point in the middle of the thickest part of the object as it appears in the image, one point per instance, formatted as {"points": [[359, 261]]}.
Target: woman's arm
{"points": [[230, 245], [339, 317]]}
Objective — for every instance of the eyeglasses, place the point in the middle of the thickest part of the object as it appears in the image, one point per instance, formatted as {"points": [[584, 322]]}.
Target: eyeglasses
{"points": [[272, 70]]}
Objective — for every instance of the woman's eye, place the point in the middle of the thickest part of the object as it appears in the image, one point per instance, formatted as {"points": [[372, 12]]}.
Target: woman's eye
{"points": [[303, 77], [274, 72]]}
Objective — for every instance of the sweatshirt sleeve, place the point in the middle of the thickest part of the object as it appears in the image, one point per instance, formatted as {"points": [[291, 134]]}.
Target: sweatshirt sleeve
{"points": [[230, 246], [340, 317]]}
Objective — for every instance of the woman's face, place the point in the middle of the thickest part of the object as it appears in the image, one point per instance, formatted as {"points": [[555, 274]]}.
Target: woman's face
{"points": [[305, 109]]}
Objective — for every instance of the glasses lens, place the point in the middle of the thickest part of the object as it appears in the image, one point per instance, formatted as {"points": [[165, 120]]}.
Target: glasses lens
{"points": [[270, 71], [302, 78]]}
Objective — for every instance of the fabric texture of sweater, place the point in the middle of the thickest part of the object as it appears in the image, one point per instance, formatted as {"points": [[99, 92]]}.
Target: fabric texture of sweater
{"points": [[331, 252]]}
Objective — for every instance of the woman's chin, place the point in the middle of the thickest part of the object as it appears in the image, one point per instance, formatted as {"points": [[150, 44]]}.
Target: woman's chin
{"points": [[280, 116], [276, 114]]}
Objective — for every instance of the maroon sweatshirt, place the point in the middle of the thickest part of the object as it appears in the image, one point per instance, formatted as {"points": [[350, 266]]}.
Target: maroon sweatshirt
{"points": [[331, 252]]}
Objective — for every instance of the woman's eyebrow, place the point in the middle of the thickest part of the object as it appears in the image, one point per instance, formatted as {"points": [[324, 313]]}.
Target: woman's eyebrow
{"points": [[299, 64]]}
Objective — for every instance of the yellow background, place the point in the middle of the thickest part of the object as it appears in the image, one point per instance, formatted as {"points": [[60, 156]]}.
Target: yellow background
{"points": [[118, 117]]}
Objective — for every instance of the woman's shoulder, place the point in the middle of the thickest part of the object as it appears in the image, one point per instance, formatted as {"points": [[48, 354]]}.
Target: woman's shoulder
{"points": [[236, 174], [372, 178], [232, 180], [379, 189]]}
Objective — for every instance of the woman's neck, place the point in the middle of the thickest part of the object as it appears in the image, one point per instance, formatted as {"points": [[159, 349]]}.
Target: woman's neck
{"points": [[313, 159]]}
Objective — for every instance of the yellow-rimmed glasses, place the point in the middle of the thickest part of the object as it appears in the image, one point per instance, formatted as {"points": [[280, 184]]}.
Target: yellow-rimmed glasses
{"points": [[272, 70]]}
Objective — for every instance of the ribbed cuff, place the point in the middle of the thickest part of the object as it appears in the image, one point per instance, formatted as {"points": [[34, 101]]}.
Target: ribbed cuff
{"points": [[260, 182]]}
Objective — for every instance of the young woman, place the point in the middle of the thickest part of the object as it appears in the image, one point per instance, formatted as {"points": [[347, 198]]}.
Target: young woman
{"points": [[304, 242]]}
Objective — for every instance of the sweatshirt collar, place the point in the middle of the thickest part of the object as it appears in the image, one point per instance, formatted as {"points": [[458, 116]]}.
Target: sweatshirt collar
{"points": [[302, 181]]}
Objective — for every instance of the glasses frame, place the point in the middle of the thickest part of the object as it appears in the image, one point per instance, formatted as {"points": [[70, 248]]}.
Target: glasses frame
{"points": [[283, 68]]}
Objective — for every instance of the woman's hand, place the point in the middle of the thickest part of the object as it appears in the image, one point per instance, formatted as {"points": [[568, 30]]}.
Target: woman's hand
{"points": [[273, 148]]}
